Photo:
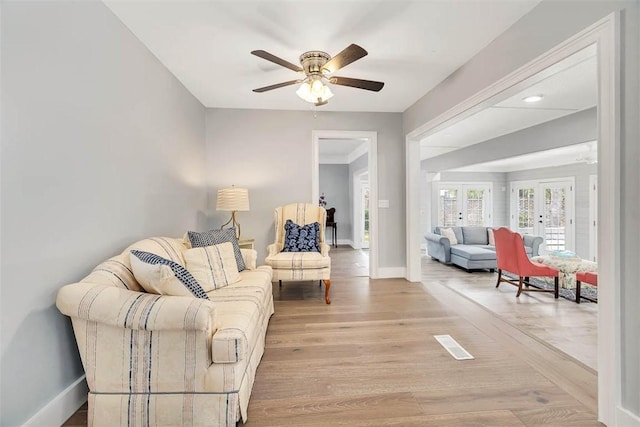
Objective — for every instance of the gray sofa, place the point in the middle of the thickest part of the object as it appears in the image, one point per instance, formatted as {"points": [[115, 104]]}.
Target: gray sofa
{"points": [[473, 250]]}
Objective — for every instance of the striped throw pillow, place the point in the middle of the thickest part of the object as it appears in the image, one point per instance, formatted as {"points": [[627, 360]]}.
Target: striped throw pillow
{"points": [[216, 237], [212, 266]]}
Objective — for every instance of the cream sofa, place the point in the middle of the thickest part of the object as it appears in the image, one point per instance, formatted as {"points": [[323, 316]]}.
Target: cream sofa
{"points": [[168, 360]]}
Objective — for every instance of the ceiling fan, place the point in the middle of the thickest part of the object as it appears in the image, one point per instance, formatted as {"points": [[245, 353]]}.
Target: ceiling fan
{"points": [[318, 67]]}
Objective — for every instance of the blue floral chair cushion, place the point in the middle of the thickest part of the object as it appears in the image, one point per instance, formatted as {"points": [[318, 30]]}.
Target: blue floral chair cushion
{"points": [[301, 238]]}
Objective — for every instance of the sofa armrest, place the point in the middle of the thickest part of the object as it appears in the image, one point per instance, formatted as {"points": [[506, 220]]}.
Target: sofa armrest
{"points": [[127, 309], [533, 242], [438, 247], [324, 249], [228, 346]]}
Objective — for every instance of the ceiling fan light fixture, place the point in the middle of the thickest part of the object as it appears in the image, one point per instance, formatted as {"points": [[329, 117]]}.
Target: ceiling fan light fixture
{"points": [[314, 92]]}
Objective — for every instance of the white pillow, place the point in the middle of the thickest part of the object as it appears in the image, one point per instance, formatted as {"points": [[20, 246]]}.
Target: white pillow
{"points": [[492, 239], [449, 234], [212, 266]]}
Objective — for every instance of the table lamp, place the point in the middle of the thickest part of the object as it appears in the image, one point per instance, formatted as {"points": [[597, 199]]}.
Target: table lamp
{"points": [[233, 199]]}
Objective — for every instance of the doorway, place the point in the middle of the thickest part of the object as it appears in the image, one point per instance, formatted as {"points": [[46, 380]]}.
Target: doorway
{"points": [[545, 208], [605, 35], [363, 160], [464, 204]]}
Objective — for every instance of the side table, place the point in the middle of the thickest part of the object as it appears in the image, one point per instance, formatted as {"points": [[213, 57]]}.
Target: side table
{"points": [[246, 243]]}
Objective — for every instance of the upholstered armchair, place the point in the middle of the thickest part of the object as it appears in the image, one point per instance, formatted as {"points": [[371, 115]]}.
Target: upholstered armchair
{"points": [[300, 265], [512, 257]]}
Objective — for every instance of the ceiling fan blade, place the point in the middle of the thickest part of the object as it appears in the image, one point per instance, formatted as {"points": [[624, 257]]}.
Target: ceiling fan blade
{"points": [[277, 86], [269, 57], [359, 83], [351, 53]]}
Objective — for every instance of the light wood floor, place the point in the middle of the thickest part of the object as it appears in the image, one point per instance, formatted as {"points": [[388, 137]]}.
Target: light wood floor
{"points": [[370, 359]]}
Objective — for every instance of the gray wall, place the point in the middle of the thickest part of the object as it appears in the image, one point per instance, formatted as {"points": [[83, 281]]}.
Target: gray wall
{"points": [[269, 152], [101, 146], [547, 25], [334, 183], [581, 174]]}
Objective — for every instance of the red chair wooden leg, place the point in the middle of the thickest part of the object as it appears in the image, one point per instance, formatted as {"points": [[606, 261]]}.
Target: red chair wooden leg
{"points": [[327, 285], [499, 277], [519, 286]]}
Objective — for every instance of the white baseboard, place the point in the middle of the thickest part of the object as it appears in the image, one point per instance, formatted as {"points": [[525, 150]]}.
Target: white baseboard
{"points": [[391, 272], [345, 242], [626, 418], [58, 410]]}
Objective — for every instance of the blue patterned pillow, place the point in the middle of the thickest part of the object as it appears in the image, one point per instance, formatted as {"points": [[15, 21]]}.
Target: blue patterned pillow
{"points": [[216, 237], [301, 238], [159, 284]]}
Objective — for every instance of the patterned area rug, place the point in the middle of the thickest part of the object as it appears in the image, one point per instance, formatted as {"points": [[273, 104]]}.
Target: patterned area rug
{"points": [[568, 293]]}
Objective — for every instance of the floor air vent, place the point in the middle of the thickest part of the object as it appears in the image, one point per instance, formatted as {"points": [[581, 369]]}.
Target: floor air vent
{"points": [[452, 346]]}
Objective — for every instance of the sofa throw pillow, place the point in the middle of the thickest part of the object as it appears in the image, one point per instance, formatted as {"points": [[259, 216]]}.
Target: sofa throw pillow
{"points": [[301, 238], [216, 237], [492, 239], [159, 275], [449, 234], [214, 266]]}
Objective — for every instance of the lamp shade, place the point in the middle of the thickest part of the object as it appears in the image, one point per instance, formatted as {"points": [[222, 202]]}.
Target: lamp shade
{"points": [[233, 199]]}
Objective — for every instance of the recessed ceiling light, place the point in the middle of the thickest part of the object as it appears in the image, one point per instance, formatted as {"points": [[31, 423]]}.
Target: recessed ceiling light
{"points": [[533, 98]]}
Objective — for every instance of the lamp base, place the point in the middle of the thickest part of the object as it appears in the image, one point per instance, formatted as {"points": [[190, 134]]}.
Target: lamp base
{"points": [[235, 224]]}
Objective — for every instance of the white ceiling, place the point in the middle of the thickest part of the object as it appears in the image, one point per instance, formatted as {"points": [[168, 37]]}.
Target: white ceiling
{"points": [[572, 88], [341, 151], [412, 45]]}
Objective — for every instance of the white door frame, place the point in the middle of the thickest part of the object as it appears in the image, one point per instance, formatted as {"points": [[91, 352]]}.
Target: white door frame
{"points": [[606, 35], [461, 186], [537, 184], [372, 139], [358, 225]]}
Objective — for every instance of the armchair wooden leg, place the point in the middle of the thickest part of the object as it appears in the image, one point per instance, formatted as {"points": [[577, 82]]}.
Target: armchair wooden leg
{"points": [[556, 292], [499, 277], [519, 286], [327, 285], [577, 291], [280, 283]]}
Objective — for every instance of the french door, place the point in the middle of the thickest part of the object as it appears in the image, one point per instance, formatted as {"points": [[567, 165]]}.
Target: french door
{"points": [[544, 208], [464, 204], [364, 201]]}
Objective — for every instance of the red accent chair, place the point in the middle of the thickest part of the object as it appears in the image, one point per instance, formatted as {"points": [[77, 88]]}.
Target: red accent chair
{"points": [[512, 257], [590, 277]]}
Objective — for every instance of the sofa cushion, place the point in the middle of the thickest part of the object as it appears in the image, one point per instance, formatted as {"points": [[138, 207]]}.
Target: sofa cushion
{"points": [[212, 266], [215, 237], [298, 260], [159, 275], [301, 238], [475, 236], [473, 252], [449, 234]]}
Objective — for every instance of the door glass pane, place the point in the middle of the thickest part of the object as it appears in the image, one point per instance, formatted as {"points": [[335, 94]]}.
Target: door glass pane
{"points": [[448, 207], [475, 208], [555, 218], [526, 212]]}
